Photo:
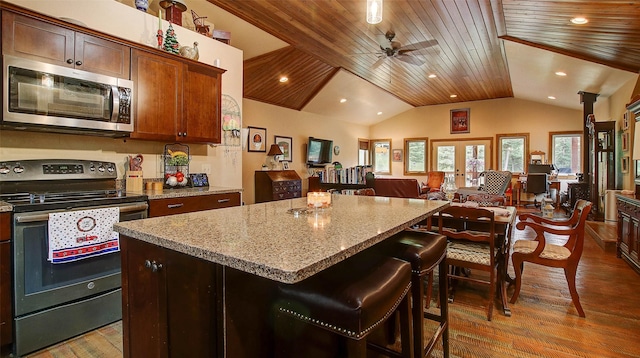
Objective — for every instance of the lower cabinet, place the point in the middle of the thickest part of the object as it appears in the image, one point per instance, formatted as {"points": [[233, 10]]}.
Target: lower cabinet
{"points": [[181, 205], [172, 306], [6, 324], [629, 231]]}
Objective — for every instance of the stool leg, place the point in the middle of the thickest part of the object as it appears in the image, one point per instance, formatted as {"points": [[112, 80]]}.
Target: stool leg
{"points": [[406, 334], [444, 306], [417, 292], [429, 292]]}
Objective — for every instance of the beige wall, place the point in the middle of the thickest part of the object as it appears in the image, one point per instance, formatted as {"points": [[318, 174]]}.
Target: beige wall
{"points": [[487, 118], [613, 109], [126, 22], [299, 126]]}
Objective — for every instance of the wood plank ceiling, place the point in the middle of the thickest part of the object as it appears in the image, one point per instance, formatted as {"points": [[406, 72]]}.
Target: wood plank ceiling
{"points": [[469, 58]]}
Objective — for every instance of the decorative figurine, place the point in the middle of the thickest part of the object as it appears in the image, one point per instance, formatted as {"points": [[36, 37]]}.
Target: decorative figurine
{"points": [[190, 52], [171, 44]]}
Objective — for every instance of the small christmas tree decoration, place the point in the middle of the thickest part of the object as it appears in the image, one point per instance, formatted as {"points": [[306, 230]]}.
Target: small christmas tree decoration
{"points": [[170, 41]]}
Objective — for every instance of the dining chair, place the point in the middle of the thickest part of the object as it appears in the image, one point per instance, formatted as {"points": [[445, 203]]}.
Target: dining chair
{"points": [[472, 244], [540, 251], [487, 199]]}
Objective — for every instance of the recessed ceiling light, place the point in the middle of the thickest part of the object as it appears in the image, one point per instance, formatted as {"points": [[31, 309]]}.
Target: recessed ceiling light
{"points": [[453, 95], [579, 20], [342, 100], [379, 113], [433, 75], [551, 97], [560, 73], [284, 79]]}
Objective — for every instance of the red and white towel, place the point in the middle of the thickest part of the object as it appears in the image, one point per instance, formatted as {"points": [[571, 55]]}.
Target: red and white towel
{"points": [[76, 235]]}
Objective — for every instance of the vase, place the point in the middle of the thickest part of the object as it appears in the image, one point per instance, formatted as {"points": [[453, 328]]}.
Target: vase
{"points": [[142, 5]]}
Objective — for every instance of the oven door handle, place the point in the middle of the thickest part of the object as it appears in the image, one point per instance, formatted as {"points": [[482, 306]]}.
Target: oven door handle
{"points": [[29, 218]]}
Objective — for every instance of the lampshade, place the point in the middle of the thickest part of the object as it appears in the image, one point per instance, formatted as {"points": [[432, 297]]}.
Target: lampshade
{"points": [[275, 150], [636, 143], [374, 11], [177, 3]]}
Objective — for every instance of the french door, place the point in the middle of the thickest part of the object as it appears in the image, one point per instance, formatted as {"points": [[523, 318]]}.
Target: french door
{"points": [[465, 160]]}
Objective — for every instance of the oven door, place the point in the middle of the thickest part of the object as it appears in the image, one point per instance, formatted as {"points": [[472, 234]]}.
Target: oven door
{"points": [[39, 284]]}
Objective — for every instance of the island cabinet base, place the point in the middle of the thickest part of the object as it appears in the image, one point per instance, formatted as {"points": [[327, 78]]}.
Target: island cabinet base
{"points": [[171, 303], [628, 244]]}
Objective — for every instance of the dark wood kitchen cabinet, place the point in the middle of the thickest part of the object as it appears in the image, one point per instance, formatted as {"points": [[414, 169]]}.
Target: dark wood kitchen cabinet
{"points": [[171, 303], [277, 185], [175, 99], [628, 244], [52, 42], [181, 205], [6, 324]]}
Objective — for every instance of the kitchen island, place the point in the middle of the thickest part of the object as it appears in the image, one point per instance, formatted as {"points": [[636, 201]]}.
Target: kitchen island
{"points": [[202, 284]]}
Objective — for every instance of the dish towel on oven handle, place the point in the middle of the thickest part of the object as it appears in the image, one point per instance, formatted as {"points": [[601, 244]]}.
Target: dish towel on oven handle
{"points": [[76, 235]]}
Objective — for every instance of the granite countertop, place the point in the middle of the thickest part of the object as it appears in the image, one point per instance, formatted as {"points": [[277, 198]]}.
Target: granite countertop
{"points": [[5, 207], [185, 192], [265, 240]]}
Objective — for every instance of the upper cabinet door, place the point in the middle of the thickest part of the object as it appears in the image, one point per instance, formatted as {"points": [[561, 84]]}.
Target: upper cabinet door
{"points": [[37, 40], [157, 93], [201, 120], [41, 41]]}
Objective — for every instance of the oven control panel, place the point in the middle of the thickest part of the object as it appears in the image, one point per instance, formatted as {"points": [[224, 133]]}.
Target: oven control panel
{"points": [[56, 169]]}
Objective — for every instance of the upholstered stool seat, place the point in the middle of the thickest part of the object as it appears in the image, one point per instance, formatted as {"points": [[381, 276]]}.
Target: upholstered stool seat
{"points": [[349, 299], [424, 251]]}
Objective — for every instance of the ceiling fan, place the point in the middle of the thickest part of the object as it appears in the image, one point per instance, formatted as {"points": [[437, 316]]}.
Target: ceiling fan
{"points": [[393, 49]]}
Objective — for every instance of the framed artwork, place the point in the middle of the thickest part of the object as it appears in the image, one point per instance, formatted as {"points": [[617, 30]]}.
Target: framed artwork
{"points": [[285, 144], [285, 165], [625, 164], [460, 120], [625, 121], [625, 141], [257, 141], [397, 155]]}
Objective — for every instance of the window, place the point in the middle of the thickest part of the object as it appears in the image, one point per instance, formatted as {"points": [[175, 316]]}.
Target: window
{"points": [[363, 152], [566, 152], [415, 156], [513, 151], [381, 156]]}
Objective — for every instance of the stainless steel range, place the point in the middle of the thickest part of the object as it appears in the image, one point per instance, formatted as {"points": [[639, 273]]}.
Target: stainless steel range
{"points": [[56, 301]]}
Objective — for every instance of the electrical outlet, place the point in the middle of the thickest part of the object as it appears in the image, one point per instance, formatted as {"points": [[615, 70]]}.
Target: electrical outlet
{"points": [[206, 168]]}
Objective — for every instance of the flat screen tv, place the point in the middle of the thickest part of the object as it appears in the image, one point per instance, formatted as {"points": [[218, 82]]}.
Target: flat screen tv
{"points": [[319, 151]]}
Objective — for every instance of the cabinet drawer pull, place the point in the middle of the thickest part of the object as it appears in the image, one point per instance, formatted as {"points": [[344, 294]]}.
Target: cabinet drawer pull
{"points": [[223, 200], [69, 60], [174, 206], [78, 63]]}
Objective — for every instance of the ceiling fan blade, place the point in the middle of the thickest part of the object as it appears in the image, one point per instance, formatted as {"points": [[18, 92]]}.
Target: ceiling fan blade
{"points": [[378, 63], [411, 59], [383, 41], [420, 45]]}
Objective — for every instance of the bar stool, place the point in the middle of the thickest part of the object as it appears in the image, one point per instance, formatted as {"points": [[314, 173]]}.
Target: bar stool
{"points": [[349, 300], [424, 251]]}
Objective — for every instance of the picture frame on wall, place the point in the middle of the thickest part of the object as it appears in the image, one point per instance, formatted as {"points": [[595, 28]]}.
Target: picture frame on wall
{"points": [[460, 121], [257, 139], [286, 146], [397, 155], [625, 121], [625, 141], [624, 167]]}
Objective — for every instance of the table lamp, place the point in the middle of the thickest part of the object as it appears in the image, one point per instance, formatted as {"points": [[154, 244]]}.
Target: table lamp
{"points": [[272, 156]]}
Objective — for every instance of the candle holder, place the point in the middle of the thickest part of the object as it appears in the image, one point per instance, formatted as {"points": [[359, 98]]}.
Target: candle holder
{"points": [[318, 200]]}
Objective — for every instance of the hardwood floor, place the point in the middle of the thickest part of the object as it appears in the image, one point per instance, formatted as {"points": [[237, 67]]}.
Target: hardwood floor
{"points": [[544, 322]]}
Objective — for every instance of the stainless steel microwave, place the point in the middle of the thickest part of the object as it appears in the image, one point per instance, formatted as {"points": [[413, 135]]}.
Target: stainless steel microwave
{"points": [[61, 99]]}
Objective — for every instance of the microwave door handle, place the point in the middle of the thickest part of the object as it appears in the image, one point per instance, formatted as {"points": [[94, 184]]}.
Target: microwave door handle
{"points": [[115, 103]]}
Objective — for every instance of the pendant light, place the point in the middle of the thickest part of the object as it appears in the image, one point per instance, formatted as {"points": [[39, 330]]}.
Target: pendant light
{"points": [[374, 11]]}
